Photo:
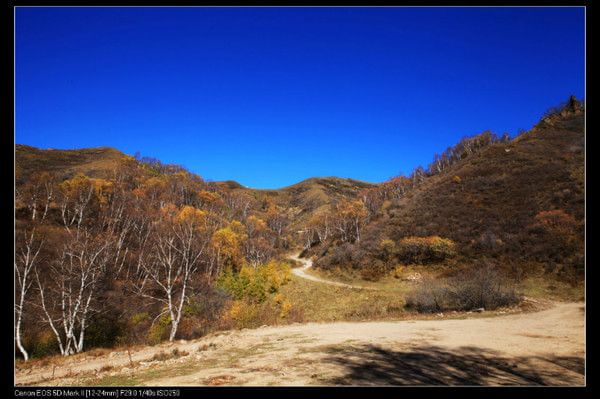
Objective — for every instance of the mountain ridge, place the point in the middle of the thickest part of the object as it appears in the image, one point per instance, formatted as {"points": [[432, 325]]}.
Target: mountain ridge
{"points": [[78, 157]]}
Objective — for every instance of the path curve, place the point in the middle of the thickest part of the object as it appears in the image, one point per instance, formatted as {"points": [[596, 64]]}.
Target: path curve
{"points": [[307, 264]]}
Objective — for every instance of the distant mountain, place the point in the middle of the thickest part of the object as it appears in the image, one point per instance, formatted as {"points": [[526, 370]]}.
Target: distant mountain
{"points": [[301, 200], [316, 195]]}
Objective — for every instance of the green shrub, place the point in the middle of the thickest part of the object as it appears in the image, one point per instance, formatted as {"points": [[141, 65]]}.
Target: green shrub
{"points": [[159, 331], [103, 331], [255, 284], [44, 344], [139, 318]]}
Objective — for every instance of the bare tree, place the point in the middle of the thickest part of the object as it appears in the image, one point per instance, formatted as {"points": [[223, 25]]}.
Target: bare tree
{"points": [[238, 204], [70, 286], [37, 194], [75, 199], [25, 264], [179, 241]]}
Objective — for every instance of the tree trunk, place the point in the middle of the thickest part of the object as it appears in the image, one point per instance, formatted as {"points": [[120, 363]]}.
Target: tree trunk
{"points": [[18, 338]]}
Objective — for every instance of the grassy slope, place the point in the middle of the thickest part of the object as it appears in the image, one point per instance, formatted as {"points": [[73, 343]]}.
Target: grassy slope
{"points": [[94, 162]]}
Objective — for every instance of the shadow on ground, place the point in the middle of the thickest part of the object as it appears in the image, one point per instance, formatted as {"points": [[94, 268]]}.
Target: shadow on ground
{"points": [[431, 365]]}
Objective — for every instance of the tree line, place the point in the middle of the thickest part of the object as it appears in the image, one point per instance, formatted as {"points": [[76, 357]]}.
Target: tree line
{"points": [[149, 231]]}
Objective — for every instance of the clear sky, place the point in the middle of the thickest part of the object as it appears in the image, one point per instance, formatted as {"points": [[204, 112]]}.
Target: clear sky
{"points": [[271, 96]]}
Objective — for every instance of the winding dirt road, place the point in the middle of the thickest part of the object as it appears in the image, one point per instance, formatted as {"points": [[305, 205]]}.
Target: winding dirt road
{"points": [[301, 272], [541, 348]]}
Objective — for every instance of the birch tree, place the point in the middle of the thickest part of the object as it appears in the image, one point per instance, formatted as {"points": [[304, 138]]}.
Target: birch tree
{"points": [[68, 289], [180, 239], [25, 264]]}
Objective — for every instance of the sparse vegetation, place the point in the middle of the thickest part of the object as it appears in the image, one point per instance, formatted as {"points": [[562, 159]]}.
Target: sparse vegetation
{"points": [[153, 252], [492, 197], [479, 288], [425, 249]]}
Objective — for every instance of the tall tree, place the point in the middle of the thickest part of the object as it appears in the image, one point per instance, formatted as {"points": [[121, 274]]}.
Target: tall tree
{"points": [[180, 238], [25, 263]]}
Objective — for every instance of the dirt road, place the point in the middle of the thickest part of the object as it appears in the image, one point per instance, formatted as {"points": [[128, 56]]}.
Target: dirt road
{"points": [[301, 272], [545, 347]]}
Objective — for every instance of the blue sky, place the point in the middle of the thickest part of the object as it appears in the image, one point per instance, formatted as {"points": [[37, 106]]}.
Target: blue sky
{"points": [[271, 96]]}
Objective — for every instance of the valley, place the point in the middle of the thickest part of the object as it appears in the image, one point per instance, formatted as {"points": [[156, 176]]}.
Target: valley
{"points": [[470, 271]]}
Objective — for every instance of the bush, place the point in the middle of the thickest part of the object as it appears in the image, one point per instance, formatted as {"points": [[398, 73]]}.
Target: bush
{"points": [[246, 314], [480, 288], [254, 284], [103, 331], [425, 249], [200, 314], [557, 239], [159, 331], [432, 296], [484, 287], [373, 270], [387, 248], [44, 344]]}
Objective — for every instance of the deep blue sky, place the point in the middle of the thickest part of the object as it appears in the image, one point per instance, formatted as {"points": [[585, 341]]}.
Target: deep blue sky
{"points": [[271, 96]]}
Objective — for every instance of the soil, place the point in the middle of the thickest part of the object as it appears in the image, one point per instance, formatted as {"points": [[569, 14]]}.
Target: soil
{"points": [[546, 347]]}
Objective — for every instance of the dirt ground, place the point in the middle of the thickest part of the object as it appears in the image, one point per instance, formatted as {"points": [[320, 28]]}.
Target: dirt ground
{"points": [[545, 347]]}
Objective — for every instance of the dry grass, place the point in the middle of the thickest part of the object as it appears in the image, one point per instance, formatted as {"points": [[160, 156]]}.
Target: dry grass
{"points": [[394, 282], [162, 356], [322, 302], [552, 289], [94, 162]]}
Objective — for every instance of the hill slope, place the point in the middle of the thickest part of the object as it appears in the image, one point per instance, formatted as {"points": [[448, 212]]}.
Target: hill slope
{"points": [[93, 162], [300, 200], [501, 189], [314, 196], [521, 200]]}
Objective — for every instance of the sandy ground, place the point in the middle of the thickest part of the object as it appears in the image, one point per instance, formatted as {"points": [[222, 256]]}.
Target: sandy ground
{"points": [[307, 264], [545, 347]]}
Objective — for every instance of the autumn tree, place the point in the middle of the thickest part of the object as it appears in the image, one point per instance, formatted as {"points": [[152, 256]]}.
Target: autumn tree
{"points": [[38, 194], [226, 244], [75, 199], [70, 285], [239, 204], [350, 217], [277, 220], [373, 199], [259, 245], [318, 228], [179, 240]]}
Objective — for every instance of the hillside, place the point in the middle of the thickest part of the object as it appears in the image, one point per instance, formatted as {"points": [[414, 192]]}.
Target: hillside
{"points": [[500, 190], [93, 162], [314, 196], [520, 201], [300, 201], [515, 205]]}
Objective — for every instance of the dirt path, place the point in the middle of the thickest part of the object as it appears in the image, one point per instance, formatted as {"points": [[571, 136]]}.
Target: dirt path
{"points": [[301, 272], [545, 347]]}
